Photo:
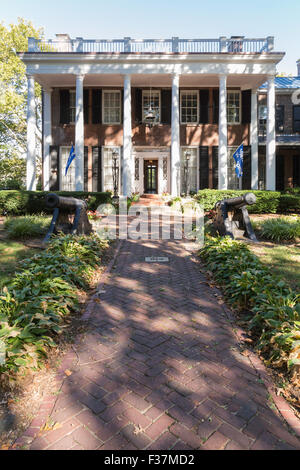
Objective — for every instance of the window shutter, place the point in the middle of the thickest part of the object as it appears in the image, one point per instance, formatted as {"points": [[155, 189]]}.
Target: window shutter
{"points": [[279, 172], [246, 106], [138, 105], [246, 178], [215, 167], [122, 106], [96, 172], [86, 168], [279, 118], [54, 168], [86, 105], [96, 106], [203, 167], [64, 106], [166, 100], [203, 106], [216, 106]]}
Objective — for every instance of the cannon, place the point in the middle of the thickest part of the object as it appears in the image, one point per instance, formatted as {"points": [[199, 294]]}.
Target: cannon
{"points": [[69, 216], [232, 216]]}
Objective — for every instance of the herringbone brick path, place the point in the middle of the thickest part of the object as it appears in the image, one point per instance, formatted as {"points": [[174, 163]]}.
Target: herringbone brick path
{"points": [[160, 367]]}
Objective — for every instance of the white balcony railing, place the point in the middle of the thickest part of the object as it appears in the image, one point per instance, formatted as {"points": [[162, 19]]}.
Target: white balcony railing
{"points": [[234, 44]]}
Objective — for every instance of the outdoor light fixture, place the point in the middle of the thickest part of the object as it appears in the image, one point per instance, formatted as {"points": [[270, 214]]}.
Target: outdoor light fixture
{"points": [[115, 172]]}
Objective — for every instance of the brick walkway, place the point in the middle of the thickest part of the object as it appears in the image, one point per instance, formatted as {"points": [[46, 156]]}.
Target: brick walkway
{"points": [[160, 367]]}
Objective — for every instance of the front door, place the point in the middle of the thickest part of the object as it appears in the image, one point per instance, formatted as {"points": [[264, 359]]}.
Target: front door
{"points": [[150, 176]]}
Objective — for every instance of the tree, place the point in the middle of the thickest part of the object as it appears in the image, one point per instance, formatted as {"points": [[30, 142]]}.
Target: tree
{"points": [[13, 99]]}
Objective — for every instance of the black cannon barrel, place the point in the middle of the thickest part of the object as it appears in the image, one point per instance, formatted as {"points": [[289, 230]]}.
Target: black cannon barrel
{"points": [[63, 203], [248, 198]]}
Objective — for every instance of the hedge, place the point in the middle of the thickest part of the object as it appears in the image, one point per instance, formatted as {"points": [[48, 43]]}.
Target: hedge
{"points": [[266, 201], [14, 202]]}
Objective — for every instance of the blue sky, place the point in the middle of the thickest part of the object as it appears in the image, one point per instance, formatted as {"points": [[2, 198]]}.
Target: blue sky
{"points": [[100, 19]]}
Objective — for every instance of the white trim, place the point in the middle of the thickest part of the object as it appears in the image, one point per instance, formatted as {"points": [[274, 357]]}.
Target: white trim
{"points": [[147, 91], [240, 107], [61, 169], [185, 90], [110, 147], [120, 105]]}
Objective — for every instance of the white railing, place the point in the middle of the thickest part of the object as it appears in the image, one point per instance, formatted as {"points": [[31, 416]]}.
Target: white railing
{"points": [[237, 45]]}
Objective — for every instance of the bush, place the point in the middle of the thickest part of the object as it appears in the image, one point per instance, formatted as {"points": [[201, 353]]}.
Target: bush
{"points": [[27, 226], [248, 284], [289, 203], [282, 229], [34, 304], [33, 202]]}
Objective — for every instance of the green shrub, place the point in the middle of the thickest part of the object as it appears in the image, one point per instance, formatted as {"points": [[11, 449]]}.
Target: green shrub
{"points": [[281, 229], [33, 202], [289, 203], [26, 226], [34, 304], [266, 201], [248, 284]]}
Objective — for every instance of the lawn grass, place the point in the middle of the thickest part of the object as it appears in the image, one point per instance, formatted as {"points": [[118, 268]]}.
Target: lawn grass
{"points": [[10, 253], [283, 260]]}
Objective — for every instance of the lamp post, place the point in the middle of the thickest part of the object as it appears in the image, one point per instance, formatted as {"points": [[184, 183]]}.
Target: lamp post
{"points": [[115, 172], [187, 156]]}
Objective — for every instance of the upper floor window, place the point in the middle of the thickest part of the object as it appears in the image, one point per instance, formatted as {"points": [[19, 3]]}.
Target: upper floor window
{"points": [[189, 107], [233, 107], [111, 107], [296, 119], [279, 118], [72, 106], [151, 98]]}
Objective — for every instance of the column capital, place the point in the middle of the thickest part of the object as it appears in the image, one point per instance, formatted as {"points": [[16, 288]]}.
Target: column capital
{"points": [[29, 76], [271, 77], [47, 90], [80, 77], [223, 75]]}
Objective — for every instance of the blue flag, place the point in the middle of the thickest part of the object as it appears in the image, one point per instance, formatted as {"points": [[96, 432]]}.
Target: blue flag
{"points": [[239, 158], [70, 159]]}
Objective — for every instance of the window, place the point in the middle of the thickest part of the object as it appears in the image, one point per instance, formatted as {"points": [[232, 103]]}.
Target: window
{"points": [[111, 107], [151, 98], [67, 183], [233, 107], [232, 179], [296, 116], [279, 118], [189, 107], [188, 171], [262, 119], [72, 106], [108, 184]]}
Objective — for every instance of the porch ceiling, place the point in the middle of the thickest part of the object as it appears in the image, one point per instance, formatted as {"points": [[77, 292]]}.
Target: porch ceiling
{"points": [[243, 81]]}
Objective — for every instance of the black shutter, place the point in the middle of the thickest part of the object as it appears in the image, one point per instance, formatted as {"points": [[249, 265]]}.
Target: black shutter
{"points": [[54, 168], [215, 167], [279, 172], [166, 103], [96, 106], [280, 118], [64, 96], [96, 178], [122, 106], [246, 106], [86, 168], [203, 106], [296, 171], [203, 167], [138, 105], [86, 107], [246, 179], [215, 106]]}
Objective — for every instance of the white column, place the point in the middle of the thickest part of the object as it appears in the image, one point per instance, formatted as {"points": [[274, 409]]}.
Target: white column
{"points": [[47, 138], [254, 141], [79, 135], [31, 139], [175, 139], [128, 161], [271, 138], [222, 133]]}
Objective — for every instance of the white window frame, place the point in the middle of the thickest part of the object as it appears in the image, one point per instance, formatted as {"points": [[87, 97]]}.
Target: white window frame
{"points": [[191, 147], [63, 168], [240, 107], [111, 147], [103, 114], [189, 123], [147, 92], [73, 93]]}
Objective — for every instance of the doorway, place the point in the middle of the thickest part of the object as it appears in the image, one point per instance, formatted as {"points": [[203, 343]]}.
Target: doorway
{"points": [[150, 176]]}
